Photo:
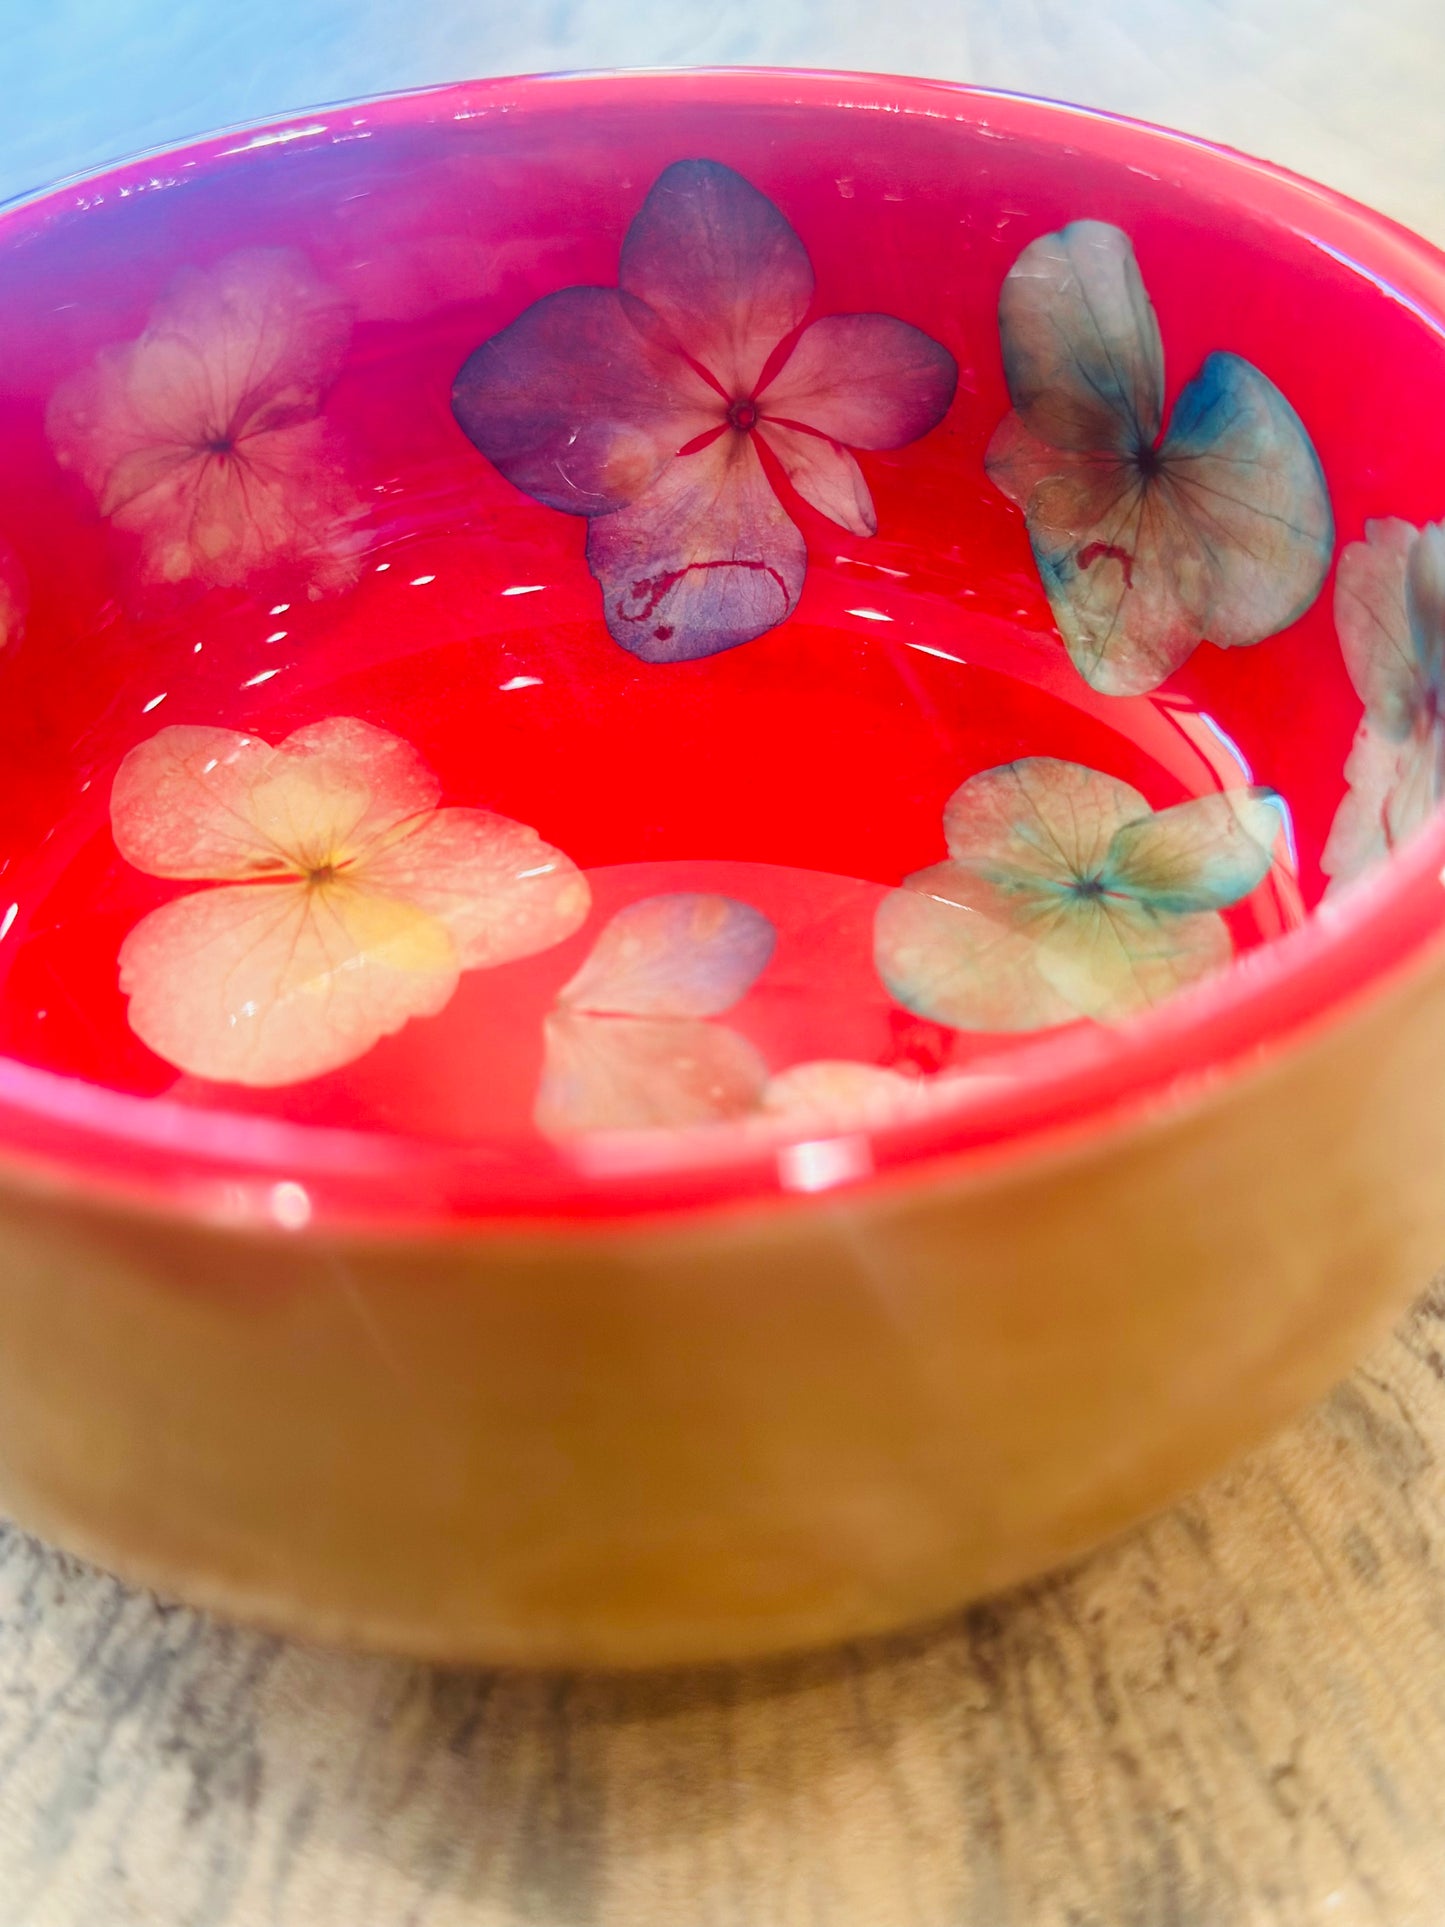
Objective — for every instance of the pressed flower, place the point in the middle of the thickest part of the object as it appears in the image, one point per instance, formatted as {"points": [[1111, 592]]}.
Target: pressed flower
{"points": [[1390, 615], [347, 903], [629, 1045], [642, 407], [1065, 896], [204, 437], [1149, 540]]}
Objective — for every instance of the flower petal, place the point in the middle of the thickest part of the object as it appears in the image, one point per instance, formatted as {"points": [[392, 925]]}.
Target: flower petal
{"points": [[1373, 623], [580, 402], [1393, 789], [824, 475], [1112, 956], [496, 887], [642, 1073], [273, 983], [683, 955], [721, 266], [200, 437], [1037, 821], [842, 1094], [200, 802], [1425, 601], [1080, 341], [705, 559], [1255, 528], [1201, 855], [973, 968], [869, 380]]}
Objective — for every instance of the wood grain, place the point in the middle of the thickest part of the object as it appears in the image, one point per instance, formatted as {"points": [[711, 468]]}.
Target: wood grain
{"points": [[1234, 1716]]}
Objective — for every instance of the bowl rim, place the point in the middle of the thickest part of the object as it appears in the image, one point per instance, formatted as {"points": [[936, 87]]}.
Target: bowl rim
{"points": [[257, 1174]]}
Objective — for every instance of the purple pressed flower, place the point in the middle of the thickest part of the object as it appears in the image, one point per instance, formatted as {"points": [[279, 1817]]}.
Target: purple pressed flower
{"points": [[642, 407]]}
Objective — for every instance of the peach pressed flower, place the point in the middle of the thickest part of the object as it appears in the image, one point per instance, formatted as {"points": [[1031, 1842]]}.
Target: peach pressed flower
{"points": [[348, 901], [204, 437]]}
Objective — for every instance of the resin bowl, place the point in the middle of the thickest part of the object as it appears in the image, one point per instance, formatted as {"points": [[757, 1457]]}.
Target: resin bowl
{"points": [[720, 907]]}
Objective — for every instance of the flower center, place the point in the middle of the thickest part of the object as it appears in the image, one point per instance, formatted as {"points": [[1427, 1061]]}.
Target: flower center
{"points": [[1149, 461], [219, 445], [1089, 887], [320, 874], [742, 415]]}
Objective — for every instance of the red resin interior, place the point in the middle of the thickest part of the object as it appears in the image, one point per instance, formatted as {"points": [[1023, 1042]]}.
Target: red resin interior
{"points": [[826, 747]]}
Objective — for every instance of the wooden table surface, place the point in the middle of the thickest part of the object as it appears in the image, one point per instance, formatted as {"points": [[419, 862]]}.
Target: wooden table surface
{"points": [[1233, 1718]]}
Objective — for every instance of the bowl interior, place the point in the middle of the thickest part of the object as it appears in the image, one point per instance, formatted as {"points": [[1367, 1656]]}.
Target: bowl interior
{"points": [[619, 723]]}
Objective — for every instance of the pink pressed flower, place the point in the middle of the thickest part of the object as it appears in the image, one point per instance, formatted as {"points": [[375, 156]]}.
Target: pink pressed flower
{"points": [[348, 901], [204, 438], [642, 406]]}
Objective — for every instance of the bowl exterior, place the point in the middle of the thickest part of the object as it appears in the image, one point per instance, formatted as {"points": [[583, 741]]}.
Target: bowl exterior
{"points": [[733, 1433]]}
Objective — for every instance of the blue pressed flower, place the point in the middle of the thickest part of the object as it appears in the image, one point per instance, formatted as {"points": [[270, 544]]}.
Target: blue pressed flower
{"points": [[1065, 896], [1148, 543]]}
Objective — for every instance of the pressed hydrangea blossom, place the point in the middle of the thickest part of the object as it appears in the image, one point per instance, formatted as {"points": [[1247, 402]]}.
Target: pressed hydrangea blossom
{"points": [[642, 407], [1065, 896], [629, 1045], [348, 901], [1390, 614], [204, 438], [1219, 529]]}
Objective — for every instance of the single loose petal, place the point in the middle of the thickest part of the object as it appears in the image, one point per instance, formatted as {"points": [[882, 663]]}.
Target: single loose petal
{"points": [[954, 950], [579, 401], [641, 1073], [722, 267], [825, 475], [495, 886], [270, 984], [1081, 346], [866, 379], [1201, 855], [1037, 821], [684, 955], [703, 560], [194, 801]]}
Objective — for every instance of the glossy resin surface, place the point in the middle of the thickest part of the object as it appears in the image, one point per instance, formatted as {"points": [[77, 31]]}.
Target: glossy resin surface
{"points": [[601, 644]]}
